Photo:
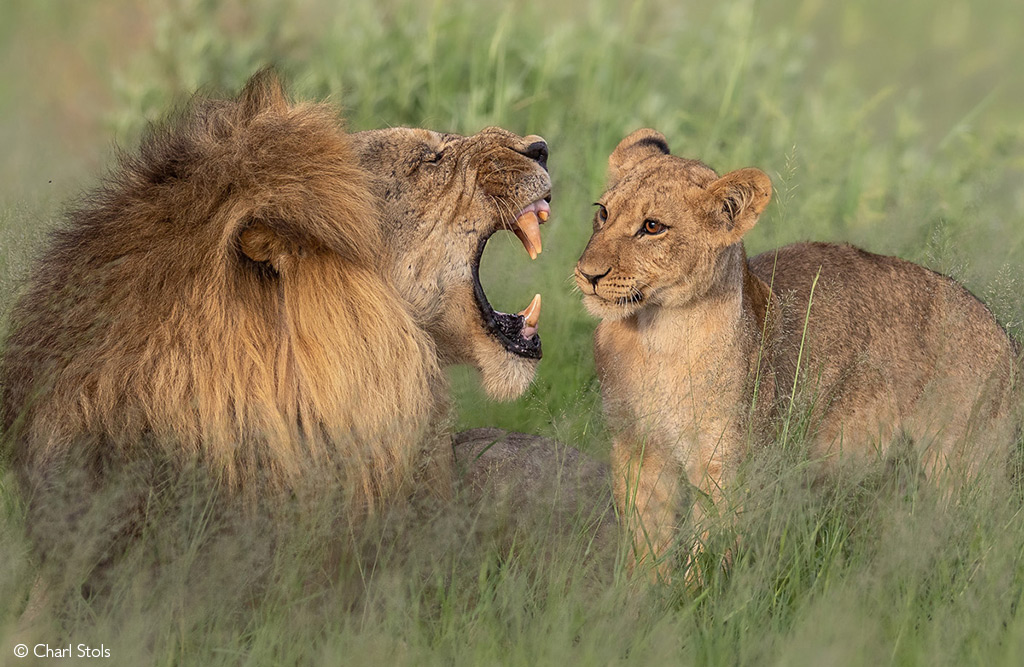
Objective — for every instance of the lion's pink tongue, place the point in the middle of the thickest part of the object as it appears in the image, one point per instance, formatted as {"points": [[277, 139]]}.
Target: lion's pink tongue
{"points": [[532, 317], [527, 228]]}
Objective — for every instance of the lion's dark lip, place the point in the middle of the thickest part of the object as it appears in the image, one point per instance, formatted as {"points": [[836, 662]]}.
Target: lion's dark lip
{"points": [[506, 328]]}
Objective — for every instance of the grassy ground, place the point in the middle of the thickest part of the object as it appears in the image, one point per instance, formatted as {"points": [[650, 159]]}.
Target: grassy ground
{"points": [[895, 127]]}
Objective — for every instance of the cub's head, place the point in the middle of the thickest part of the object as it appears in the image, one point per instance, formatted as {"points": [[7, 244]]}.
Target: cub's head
{"points": [[441, 197], [662, 227]]}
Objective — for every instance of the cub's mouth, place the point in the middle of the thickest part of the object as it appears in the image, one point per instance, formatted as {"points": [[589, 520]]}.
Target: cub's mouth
{"points": [[517, 332], [635, 298]]}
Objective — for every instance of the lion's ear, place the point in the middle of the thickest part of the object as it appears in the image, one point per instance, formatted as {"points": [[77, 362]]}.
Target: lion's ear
{"points": [[738, 199], [260, 243], [637, 146], [262, 91]]}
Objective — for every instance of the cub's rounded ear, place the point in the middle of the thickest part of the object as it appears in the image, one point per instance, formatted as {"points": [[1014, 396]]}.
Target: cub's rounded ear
{"points": [[637, 146], [738, 199]]}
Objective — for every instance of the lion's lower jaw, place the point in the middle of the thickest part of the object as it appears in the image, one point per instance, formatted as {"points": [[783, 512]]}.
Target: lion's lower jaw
{"points": [[506, 376]]}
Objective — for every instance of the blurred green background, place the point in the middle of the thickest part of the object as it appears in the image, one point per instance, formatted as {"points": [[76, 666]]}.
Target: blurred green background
{"points": [[897, 126]]}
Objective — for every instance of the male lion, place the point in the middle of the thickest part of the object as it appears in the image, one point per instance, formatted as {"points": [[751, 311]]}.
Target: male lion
{"points": [[701, 353], [261, 296]]}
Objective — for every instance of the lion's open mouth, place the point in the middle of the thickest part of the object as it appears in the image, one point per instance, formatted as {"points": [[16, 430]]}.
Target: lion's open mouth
{"points": [[517, 332]]}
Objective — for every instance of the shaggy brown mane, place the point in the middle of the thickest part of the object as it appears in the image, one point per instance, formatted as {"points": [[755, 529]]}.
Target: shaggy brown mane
{"points": [[217, 302]]}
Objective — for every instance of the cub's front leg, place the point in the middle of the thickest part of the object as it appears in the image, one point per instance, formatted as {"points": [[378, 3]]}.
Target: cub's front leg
{"points": [[706, 476], [646, 487]]}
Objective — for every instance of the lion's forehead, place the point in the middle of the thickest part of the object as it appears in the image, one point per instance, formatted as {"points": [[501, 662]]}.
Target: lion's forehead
{"points": [[398, 137], [488, 134], [400, 142]]}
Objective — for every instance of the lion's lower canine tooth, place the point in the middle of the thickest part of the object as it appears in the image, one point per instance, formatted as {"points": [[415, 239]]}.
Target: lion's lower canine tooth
{"points": [[543, 215], [527, 228], [532, 312]]}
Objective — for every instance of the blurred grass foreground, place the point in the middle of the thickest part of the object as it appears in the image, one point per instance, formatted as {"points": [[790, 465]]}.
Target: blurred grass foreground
{"points": [[896, 127]]}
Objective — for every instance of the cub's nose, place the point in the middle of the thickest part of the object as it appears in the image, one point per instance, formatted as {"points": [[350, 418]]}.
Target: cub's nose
{"points": [[537, 150], [592, 278]]}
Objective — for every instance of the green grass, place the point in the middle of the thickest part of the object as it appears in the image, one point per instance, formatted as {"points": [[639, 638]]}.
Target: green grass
{"points": [[895, 127]]}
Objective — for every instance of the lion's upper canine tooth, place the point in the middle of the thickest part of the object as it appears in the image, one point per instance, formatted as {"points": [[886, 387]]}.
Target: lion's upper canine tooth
{"points": [[527, 228], [531, 315]]}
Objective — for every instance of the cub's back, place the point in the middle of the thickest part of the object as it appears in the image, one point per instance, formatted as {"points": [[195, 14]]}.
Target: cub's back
{"points": [[883, 335]]}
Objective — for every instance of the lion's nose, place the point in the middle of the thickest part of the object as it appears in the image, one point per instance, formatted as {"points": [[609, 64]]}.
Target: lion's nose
{"points": [[592, 278], [537, 150]]}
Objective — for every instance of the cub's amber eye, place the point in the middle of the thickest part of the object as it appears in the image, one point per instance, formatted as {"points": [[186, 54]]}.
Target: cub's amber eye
{"points": [[602, 214], [653, 227]]}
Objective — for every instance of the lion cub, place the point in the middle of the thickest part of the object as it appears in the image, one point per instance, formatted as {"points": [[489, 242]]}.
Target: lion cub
{"points": [[702, 353]]}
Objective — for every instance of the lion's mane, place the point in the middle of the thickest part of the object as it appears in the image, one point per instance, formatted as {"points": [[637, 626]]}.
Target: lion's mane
{"points": [[218, 302]]}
